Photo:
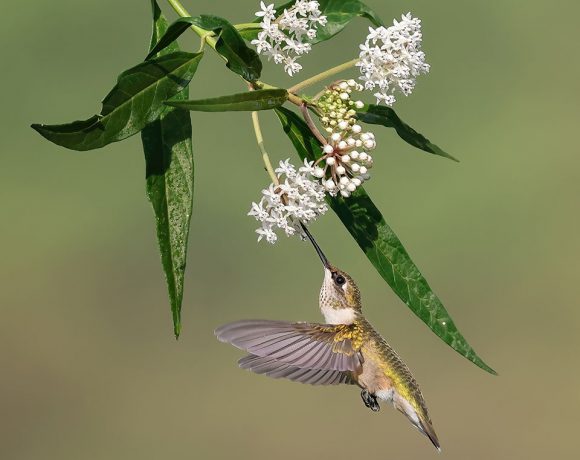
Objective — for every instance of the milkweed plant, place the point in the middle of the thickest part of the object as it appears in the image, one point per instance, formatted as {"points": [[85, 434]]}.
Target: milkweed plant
{"points": [[329, 125]]}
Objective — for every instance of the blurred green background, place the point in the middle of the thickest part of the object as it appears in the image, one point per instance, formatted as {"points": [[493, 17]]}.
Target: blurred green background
{"points": [[89, 366]]}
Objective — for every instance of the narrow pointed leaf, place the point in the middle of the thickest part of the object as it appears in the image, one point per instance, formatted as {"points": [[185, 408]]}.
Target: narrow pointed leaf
{"points": [[136, 100], [386, 116], [338, 13], [262, 99], [383, 248], [229, 44], [172, 33], [169, 174]]}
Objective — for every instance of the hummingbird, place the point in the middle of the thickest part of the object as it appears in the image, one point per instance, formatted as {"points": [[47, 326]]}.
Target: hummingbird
{"points": [[344, 350]]}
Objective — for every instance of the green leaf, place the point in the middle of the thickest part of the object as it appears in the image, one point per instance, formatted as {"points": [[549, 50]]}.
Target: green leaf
{"points": [[381, 115], [338, 13], [136, 100], [229, 44], [262, 99], [383, 248], [172, 33], [169, 170]]}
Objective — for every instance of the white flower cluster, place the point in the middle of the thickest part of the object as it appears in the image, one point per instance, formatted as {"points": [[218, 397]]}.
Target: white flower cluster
{"points": [[346, 162], [283, 38], [391, 58], [297, 199]]}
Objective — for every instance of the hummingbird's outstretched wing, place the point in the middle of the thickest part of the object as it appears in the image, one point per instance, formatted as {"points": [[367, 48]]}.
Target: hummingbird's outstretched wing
{"points": [[299, 345], [276, 369]]}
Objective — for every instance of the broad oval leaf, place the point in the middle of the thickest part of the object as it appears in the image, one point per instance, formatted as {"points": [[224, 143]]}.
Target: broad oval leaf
{"points": [[262, 99], [229, 44], [338, 13], [383, 248], [136, 100], [386, 116], [169, 171]]}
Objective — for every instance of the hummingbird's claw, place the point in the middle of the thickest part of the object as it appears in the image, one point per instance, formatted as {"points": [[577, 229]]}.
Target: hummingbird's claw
{"points": [[370, 401]]}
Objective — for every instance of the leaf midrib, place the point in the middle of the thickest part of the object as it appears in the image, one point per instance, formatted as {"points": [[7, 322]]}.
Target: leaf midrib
{"points": [[155, 84]]}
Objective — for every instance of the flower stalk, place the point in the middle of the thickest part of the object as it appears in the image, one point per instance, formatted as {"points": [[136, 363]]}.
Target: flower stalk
{"points": [[263, 151], [322, 76], [311, 125]]}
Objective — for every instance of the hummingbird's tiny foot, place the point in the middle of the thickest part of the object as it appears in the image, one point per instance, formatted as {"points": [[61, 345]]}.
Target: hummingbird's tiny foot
{"points": [[370, 401]]}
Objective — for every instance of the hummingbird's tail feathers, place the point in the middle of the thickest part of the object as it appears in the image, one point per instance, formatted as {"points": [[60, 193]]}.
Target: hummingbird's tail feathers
{"points": [[427, 429], [276, 369], [302, 345], [419, 420]]}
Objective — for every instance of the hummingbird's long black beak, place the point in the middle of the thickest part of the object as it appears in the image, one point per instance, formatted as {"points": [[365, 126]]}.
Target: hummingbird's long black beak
{"points": [[315, 244]]}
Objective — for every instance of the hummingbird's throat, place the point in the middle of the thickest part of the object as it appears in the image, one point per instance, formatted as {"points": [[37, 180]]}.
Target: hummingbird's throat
{"points": [[338, 315], [334, 300]]}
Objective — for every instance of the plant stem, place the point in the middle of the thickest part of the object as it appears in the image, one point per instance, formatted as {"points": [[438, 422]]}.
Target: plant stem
{"points": [[265, 156], [248, 26], [182, 12], [322, 76]]}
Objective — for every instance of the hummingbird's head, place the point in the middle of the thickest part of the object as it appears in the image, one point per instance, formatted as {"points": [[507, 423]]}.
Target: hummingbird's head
{"points": [[339, 291], [339, 295]]}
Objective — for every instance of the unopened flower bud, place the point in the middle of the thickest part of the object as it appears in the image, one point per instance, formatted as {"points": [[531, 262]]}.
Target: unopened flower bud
{"points": [[340, 170], [369, 144], [345, 158], [327, 149], [329, 184], [318, 172], [330, 161]]}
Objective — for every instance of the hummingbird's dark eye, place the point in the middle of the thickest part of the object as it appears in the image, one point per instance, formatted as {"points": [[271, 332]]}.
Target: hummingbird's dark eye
{"points": [[340, 280]]}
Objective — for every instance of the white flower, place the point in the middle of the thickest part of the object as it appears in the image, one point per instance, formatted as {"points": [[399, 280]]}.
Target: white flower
{"points": [[291, 67], [283, 207], [282, 38], [391, 58], [268, 12]]}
